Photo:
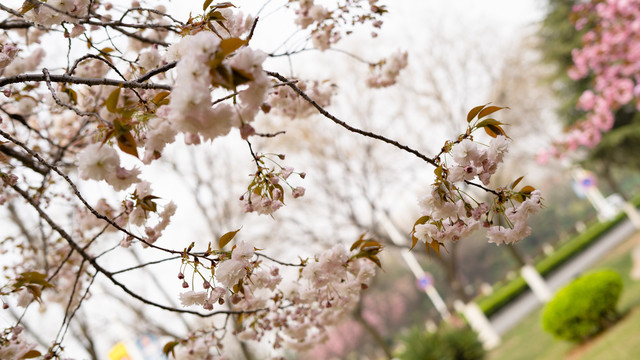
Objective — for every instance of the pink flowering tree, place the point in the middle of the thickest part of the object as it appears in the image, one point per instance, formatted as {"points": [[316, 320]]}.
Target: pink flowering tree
{"points": [[609, 58], [94, 94]]}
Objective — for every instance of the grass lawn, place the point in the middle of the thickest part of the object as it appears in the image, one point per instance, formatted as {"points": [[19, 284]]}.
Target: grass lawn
{"points": [[528, 341]]}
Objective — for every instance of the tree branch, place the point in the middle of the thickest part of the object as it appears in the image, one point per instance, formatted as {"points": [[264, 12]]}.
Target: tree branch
{"points": [[81, 80], [329, 116]]}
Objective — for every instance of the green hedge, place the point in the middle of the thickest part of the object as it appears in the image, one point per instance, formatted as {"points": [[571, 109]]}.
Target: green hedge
{"points": [[585, 307], [447, 343], [506, 292]]}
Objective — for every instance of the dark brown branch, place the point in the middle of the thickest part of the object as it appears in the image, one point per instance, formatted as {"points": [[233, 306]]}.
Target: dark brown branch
{"points": [[155, 72], [24, 159], [329, 116], [141, 265], [14, 24], [482, 187], [278, 261], [10, 11], [81, 80]]}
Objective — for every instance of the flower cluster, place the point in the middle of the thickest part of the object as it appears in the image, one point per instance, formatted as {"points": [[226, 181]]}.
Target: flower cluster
{"points": [[20, 64], [55, 12], [102, 162], [14, 346], [286, 102], [8, 51], [265, 193], [449, 213], [385, 73], [327, 25], [327, 289]]}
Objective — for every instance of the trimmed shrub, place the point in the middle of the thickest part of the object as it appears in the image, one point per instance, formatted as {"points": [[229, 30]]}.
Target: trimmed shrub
{"points": [[585, 307], [446, 343]]}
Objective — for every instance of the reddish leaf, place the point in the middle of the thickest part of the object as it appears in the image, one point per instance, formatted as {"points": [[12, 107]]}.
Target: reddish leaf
{"points": [[474, 112], [31, 354], [127, 143], [494, 130], [489, 110]]}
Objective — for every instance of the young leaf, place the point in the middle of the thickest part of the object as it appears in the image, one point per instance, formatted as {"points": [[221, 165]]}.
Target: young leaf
{"points": [[127, 143], [494, 130], [28, 5], [375, 260], [147, 204], [356, 244], [474, 112], [169, 347], [420, 221], [435, 246], [231, 44], [486, 122], [489, 110], [31, 354], [371, 245], [528, 189], [224, 239], [516, 182], [159, 99], [206, 4], [414, 241], [112, 100]]}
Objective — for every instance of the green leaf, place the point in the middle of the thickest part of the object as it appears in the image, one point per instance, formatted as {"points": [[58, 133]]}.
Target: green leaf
{"points": [[224, 239], [112, 100], [474, 112], [487, 122], [438, 172], [489, 110]]}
